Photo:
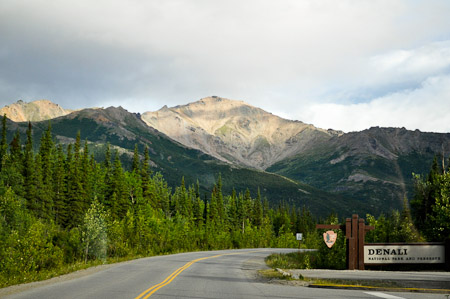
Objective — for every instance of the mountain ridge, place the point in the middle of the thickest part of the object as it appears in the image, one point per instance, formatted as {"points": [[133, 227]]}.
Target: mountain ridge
{"points": [[366, 171], [39, 110], [234, 131], [123, 130]]}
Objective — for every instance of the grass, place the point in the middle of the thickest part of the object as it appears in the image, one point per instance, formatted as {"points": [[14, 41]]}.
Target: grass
{"points": [[272, 274], [46, 274], [292, 260], [297, 260], [64, 269], [353, 283]]}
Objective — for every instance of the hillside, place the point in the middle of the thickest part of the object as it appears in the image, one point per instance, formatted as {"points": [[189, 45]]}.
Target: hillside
{"points": [[375, 165], [364, 172], [235, 132], [122, 130], [34, 111]]}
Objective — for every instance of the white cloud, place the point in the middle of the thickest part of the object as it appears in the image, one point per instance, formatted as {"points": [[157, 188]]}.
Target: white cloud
{"points": [[273, 54], [426, 108], [410, 65]]}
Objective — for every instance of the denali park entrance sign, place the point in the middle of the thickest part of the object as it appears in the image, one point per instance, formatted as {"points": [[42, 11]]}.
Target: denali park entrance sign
{"points": [[415, 253], [360, 254]]}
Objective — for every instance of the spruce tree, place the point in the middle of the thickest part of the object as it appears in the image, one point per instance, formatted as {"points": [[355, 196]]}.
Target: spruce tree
{"points": [[119, 201], [74, 196], [135, 165], [12, 173], [257, 210], [45, 170], [29, 173], [59, 188]]}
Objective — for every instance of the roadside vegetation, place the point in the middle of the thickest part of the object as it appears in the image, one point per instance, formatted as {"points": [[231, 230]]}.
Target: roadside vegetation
{"points": [[62, 210], [428, 220]]}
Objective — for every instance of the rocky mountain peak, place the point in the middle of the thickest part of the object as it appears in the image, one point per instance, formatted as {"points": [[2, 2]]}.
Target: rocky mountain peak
{"points": [[234, 131], [34, 111]]}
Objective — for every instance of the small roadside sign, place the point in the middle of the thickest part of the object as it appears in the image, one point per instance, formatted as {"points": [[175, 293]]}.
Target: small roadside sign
{"points": [[299, 236]]}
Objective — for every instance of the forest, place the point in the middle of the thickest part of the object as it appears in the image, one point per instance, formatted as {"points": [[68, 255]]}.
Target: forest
{"points": [[63, 210]]}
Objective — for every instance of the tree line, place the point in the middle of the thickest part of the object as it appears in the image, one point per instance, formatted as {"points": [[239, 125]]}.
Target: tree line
{"points": [[59, 206], [426, 217]]}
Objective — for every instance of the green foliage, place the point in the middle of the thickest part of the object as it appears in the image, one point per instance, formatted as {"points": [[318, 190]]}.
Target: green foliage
{"points": [[59, 207], [73, 209], [323, 258], [292, 260], [430, 205], [94, 234], [334, 257], [330, 169], [397, 227], [26, 243], [174, 162], [441, 210]]}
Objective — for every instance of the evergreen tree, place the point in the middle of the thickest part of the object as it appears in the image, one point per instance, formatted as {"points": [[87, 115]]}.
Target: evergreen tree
{"points": [[30, 173], [74, 196], [86, 177], [59, 188], [257, 210], [135, 166], [12, 171], [119, 200], [44, 173], [426, 191]]}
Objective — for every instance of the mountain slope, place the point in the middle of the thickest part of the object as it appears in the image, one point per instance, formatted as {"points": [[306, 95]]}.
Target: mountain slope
{"points": [[122, 130], [358, 172], [234, 131], [374, 165], [33, 111]]}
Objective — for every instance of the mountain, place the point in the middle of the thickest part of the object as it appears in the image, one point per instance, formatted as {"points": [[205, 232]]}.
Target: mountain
{"points": [[374, 165], [123, 130], [358, 172], [235, 132], [34, 111]]}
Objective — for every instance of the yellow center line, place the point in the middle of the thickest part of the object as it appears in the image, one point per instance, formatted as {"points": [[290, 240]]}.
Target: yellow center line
{"points": [[147, 293]]}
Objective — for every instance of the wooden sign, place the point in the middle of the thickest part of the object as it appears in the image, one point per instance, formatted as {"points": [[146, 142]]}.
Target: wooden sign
{"points": [[355, 230], [412, 253], [330, 238]]}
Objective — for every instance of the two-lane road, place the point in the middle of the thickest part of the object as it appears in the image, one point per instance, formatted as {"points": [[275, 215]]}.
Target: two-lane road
{"points": [[217, 274]]}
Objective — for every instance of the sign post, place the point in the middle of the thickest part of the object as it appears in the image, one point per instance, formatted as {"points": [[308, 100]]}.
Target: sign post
{"points": [[299, 237], [359, 253], [355, 230]]}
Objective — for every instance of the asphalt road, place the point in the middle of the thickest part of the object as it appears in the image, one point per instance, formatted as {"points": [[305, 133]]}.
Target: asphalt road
{"points": [[217, 274]]}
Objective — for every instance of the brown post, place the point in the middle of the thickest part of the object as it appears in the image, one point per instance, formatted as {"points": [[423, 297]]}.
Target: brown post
{"points": [[355, 230], [361, 233], [348, 228], [348, 235], [353, 253], [351, 245]]}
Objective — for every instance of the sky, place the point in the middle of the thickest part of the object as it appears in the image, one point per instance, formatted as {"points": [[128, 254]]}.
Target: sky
{"points": [[341, 64]]}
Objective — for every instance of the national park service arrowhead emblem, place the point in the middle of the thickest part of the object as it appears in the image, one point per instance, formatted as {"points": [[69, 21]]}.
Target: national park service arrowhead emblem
{"points": [[330, 238]]}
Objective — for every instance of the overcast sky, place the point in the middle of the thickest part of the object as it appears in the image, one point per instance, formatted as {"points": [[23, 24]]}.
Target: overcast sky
{"points": [[346, 65]]}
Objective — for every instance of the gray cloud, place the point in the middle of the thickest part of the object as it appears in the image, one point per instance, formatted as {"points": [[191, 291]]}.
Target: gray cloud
{"points": [[288, 57]]}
